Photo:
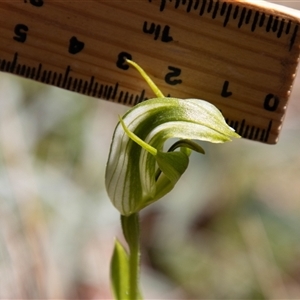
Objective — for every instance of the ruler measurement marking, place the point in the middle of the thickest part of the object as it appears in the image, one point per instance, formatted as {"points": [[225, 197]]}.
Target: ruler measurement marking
{"points": [[115, 91], [32, 73], [90, 88], [28, 71], [69, 83], [85, 86], [37, 76], [215, 73], [105, 90], [223, 9], [66, 76], [250, 65], [270, 22], [250, 132], [202, 9], [228, 13], [255, 20], [70, 78], [23, 70], [73, 83], [237, 45], [59, 80], [48, 78], [288, 28], [57, 42], [189, 7], [242, 17], [120, 97], [248, 17], [273, 24], [54, 78], [79, 86], [100, 91], [196, 5], [95, 89], [44, 76], [293, 39], [281, 27], [262, 20], [256, 134]]}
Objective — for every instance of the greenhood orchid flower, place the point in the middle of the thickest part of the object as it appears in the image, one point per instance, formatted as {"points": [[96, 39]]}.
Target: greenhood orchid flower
{"points": [[139, 171]]}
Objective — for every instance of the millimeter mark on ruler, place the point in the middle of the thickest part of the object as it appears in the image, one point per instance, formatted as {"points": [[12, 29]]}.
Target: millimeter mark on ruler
{"points": [[236, 54], [242, 14]]}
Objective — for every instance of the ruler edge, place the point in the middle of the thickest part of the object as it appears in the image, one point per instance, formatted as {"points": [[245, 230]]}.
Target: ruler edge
{"points": [[270, 8]]}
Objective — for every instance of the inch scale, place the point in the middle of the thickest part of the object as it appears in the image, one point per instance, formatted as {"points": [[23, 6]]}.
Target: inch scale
{"points": [[241, 55]]}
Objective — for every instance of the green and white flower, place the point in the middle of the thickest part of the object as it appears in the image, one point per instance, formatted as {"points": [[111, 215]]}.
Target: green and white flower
{"points": [[138, 171]]}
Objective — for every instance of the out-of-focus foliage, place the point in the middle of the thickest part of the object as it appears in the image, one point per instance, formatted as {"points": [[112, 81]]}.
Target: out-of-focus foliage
{"points": [[229, 230], [119, 272], [56, 223]]}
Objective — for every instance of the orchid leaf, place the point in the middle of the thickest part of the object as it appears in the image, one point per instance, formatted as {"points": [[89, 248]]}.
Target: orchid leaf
{"points": [[119, 272]]}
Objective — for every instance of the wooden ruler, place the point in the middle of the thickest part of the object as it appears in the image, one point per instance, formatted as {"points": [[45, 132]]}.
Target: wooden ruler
{"points": [[241, 55]]}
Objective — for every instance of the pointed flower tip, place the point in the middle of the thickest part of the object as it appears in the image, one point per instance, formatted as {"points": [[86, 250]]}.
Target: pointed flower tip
{"points": [[234, 134]]}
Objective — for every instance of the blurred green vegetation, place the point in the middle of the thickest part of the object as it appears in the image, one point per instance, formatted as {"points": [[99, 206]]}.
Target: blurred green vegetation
{"points": [[229, 230]]}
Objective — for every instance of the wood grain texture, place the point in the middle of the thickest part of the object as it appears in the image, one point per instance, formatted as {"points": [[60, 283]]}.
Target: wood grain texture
{"points": [[240, 55]]}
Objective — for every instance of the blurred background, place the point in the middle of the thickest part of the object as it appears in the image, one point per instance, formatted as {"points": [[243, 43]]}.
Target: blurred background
{"points": [[229, 230]]}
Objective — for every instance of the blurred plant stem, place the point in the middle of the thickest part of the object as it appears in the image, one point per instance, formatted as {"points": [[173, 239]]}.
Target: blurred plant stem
{"points": [[131, 231]]}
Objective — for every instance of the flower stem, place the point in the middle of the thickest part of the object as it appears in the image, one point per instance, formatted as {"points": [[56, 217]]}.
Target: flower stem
{"points": [[152, 85], [131, 231]]}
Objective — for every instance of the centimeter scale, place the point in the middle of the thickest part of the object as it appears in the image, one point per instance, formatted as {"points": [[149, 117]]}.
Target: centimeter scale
{"points": [[241, 55]]}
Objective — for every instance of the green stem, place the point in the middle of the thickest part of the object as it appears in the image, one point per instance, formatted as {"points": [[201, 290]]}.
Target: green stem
{"points": [[131, 231]]}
